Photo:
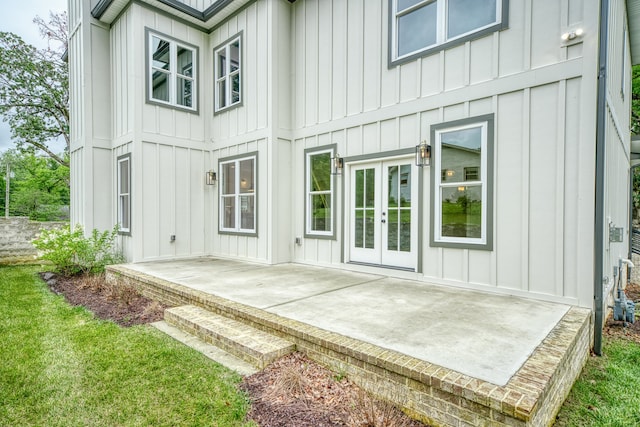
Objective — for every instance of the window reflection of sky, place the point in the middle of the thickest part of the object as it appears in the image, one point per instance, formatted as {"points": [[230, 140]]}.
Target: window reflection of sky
{"points": [[404, 4], [417, 29], [470, 138], [467, 15]]}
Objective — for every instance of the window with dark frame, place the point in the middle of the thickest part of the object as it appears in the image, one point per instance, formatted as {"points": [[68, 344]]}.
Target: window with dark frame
{"points": [[238, 195], [462, 211], [319, 193], [420, 26], [228, 64], [124, 193], [172, 77]]}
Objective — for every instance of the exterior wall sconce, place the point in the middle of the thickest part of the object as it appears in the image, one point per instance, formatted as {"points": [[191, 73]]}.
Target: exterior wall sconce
{"points": [[210, 178], [337, 163], [423, 154], [572, 34]]}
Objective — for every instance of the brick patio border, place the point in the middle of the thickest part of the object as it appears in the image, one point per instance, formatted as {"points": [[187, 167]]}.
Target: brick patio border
{"points": [[426, 391]]}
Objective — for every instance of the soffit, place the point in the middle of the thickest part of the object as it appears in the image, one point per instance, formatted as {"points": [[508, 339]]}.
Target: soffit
{"points": [[108, 10]]}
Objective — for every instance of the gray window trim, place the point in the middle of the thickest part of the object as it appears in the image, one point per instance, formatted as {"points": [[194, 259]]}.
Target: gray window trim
{"points": [[392, 62], [488, 244], [196, 109], [307, 233], [119, 159], [217, 111], [254, 155]]}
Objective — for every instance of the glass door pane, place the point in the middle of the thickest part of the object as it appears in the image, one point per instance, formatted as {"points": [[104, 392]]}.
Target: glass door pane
{"points": [[398, 208], [364, 208]]}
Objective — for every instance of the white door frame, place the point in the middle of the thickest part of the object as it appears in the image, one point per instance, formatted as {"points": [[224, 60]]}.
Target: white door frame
{"points": [[380, 256]]}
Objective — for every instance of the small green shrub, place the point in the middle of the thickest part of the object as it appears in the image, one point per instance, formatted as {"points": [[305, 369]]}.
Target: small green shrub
{"points": [[72, 253]]}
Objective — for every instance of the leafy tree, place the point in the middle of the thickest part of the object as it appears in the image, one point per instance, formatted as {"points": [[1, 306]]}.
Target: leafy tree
{"points": [[34, 90], [635, 100], [39, 186]]}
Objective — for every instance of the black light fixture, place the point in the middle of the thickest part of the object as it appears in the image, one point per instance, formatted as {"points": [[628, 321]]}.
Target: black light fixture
{"points": [[210, 178], [423, 154], [337, 163]]}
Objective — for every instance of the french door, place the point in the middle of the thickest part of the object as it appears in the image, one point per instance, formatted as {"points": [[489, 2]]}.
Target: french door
{"points": [[383, 213]]}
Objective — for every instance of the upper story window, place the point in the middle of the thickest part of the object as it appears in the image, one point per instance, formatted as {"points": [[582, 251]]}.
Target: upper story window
{"points": [[423, 26], [462, 191], [228, 77], [172, 72]]}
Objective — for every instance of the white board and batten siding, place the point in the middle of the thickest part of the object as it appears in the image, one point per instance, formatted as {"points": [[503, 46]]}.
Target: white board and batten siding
{"points": [[617, 118], [315, 73], [260, 125], [236, 125], [90, 133], [169, 154], [542, 93]]}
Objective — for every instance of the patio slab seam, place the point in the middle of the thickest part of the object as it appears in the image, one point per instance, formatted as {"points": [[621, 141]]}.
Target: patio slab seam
{"points": [[520, 398], [306, 297]]}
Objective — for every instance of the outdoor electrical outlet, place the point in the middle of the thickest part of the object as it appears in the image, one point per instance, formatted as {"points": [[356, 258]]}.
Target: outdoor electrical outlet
{"points": [[299, 241], [172, 238]]}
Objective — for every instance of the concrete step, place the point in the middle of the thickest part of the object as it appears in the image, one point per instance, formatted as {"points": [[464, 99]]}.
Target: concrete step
{"points": [[252, 345]]}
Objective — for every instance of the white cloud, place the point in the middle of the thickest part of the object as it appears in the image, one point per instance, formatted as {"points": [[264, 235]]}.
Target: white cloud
{"points": [[18, 19]]}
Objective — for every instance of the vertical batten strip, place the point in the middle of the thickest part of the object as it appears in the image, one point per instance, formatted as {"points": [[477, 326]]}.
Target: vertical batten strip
{"points": [[526, 143], [560, 186]]}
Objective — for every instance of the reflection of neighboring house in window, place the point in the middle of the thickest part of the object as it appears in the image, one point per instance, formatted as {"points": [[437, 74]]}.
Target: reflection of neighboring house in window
{"points": [[460, 163], [404, 188], [458, 169]]}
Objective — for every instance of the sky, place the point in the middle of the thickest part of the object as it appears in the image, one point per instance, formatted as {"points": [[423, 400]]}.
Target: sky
{"points": [[18, 19]]}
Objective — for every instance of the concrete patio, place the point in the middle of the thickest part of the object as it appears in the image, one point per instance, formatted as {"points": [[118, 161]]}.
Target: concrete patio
{"points": [[464, 357]]}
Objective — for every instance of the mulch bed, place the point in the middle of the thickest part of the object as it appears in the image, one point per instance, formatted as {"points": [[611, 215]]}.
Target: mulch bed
{"points": [[122, 305], [293, 391]]}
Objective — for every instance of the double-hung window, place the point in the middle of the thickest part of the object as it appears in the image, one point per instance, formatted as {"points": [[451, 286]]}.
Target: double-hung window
{"points": [[319, 193], [171, 76], [462, 182], [228, 77], [422, 26], [124, 194], [238, 195]]}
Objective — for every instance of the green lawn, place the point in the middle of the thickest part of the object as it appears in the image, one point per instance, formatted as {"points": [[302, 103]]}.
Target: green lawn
{"points": [[62, 367], [608, 390]]}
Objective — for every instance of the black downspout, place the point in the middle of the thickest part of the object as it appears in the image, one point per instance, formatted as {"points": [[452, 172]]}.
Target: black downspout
{"points": [[598, 273]]}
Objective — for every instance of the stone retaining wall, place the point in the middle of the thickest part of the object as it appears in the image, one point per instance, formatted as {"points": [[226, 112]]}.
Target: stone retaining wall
{"points": [[16, 237], [635, 272]]}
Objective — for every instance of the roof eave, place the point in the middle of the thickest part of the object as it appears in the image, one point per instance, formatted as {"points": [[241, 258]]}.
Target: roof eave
{"points": [[206, 19]]}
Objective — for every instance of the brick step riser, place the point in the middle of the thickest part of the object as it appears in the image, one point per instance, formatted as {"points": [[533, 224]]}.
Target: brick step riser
{"points": [[430, 393], [209, 334]]}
